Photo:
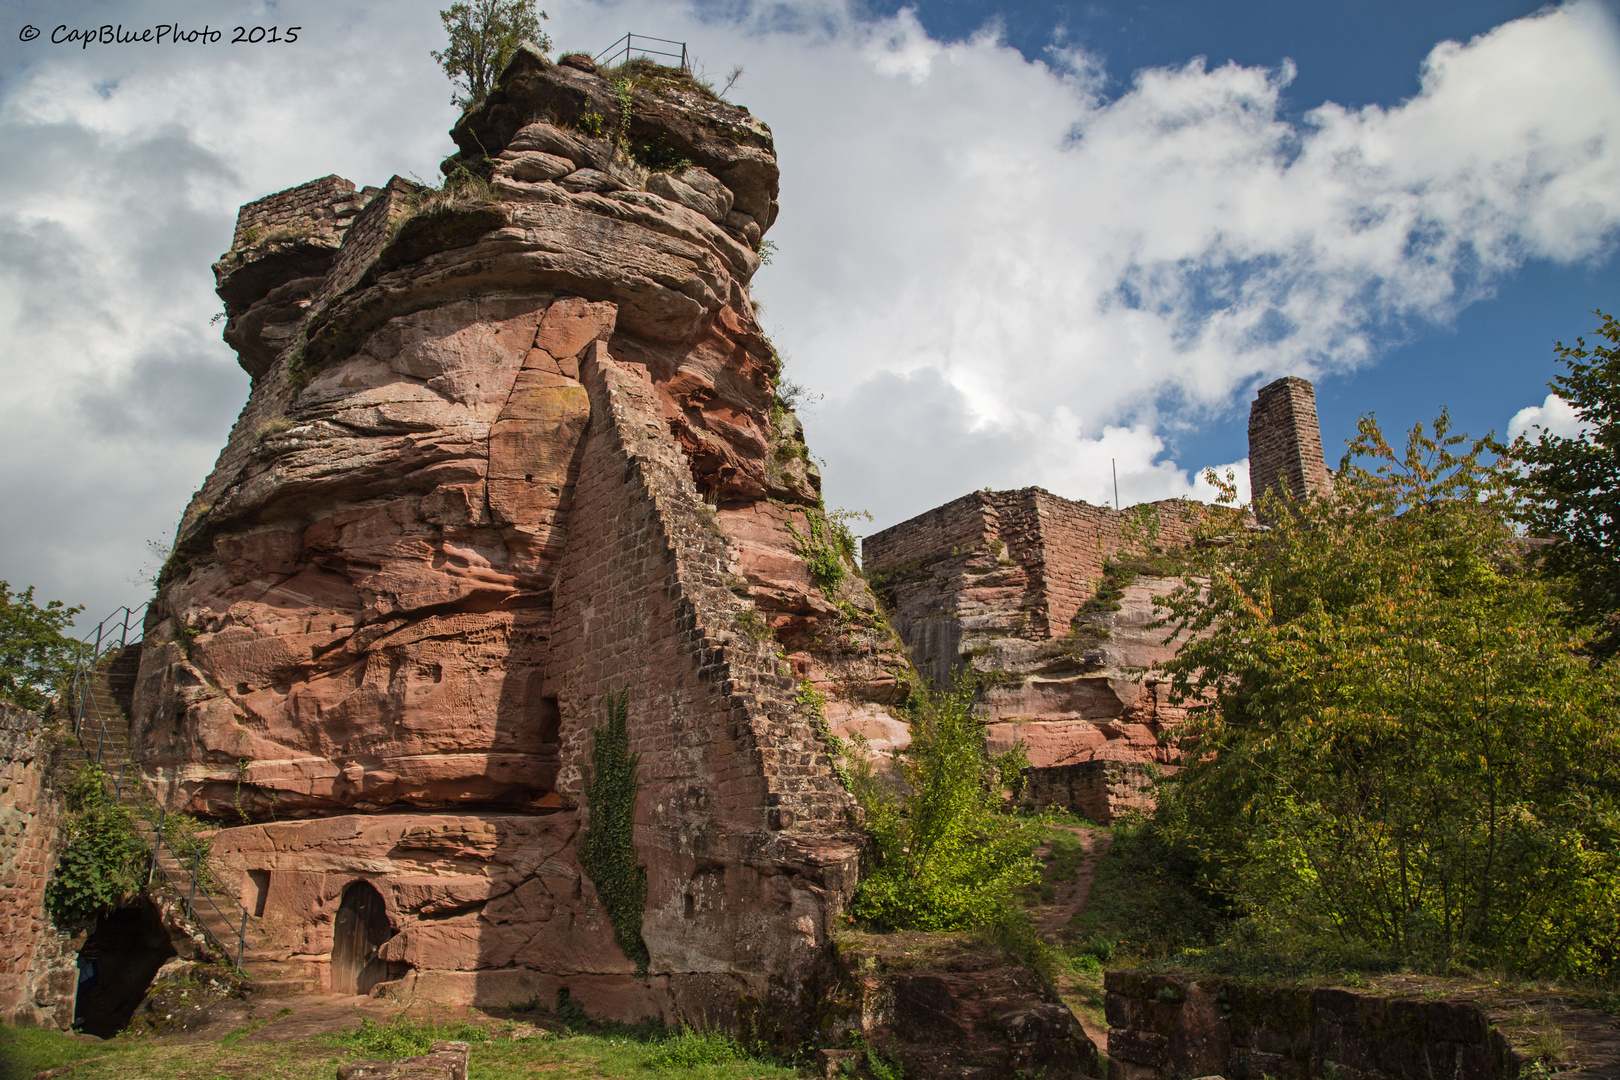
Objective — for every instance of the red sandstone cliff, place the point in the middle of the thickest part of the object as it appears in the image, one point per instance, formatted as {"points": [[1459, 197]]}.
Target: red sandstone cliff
{"points": [[511, 448]]}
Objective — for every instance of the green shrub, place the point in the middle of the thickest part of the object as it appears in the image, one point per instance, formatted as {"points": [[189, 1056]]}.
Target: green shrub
{"points": [[1400, 749], [104, 861], [691, 1049], [948, 855], [405, 1036], [608, 852]]}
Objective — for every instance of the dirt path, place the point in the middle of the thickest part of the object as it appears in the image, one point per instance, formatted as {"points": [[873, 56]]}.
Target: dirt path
{"points": [[1053, 919]]}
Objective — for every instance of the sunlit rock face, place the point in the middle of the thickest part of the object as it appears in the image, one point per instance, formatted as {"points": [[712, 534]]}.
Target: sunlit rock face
{"points": [[511, 447]]}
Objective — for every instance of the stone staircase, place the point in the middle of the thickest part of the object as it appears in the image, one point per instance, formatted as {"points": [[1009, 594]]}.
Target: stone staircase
{"points": [[103, 690]]}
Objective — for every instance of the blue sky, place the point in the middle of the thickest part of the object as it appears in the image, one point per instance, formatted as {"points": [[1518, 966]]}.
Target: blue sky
{"points": [[1018, 243], [1495, 356]]}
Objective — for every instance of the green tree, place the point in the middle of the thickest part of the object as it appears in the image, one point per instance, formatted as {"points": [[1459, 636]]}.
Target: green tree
{"points": [[36, 656], [483, 36], [948, 856], [1394, 742], [1571, 487]]}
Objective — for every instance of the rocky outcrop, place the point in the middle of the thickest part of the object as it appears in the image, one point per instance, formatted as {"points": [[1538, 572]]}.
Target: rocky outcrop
{"points": [[1050, 603], [443, 1061], [1401, 1027], [516, 447], [944, 1005]]}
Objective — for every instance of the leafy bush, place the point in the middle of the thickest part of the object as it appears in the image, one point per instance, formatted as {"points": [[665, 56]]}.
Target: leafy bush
{"points": [[1397, 745], [948, 855], [104, 860], [36, 657], [405, 1036], [608, 852], [691, 1049]]}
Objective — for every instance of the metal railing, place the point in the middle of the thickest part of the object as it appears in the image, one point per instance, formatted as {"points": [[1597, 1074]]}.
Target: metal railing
{"points": [[627, 48], [118, 631], [234, 920]]}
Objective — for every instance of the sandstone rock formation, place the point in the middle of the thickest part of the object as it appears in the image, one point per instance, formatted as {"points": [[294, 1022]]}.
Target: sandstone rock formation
{"points": [[512, 446], [1051, 604], [1006, 585]]}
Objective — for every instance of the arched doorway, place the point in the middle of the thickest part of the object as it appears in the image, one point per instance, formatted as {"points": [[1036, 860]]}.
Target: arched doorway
{"points": [[361, 929], [116, 967]]}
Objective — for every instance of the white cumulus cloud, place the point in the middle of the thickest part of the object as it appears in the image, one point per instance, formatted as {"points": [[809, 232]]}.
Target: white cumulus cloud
{"points": [[991, 272]]}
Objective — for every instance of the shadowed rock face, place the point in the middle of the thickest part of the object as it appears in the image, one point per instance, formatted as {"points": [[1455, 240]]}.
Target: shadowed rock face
{"points": [[509, 449]]}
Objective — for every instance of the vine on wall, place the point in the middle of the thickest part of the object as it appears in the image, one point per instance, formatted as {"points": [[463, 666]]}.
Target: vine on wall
{"points": [[608, 852]]}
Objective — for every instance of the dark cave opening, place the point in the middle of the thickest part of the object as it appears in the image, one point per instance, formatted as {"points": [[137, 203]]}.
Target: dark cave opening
{"points": [[117, 965]]}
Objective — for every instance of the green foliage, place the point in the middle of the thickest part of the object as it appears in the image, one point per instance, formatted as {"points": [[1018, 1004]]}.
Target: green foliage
{"points": [[608, 852], [483, 36], [948, 855], [659, 156], [826, 546], [691, 1049], [104, 860], [36, 657], [1571, 488], [406, 1036], [814, 704], [766, 252], [1394, 743], [1148, 899], [27, 1051]]}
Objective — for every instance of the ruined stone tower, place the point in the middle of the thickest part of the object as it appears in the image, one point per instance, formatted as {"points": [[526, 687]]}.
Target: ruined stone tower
{"points": [[513, 447], [1285, 441]]}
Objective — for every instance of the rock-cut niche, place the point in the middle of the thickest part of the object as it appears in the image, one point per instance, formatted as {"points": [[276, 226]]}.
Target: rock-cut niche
{"points": [[361, 929]]}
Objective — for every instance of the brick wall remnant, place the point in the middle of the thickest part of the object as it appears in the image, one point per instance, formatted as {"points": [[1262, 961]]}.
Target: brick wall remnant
{"points": [[38, 973], [1175, 1025], [1001, 583], [1285, 442]]}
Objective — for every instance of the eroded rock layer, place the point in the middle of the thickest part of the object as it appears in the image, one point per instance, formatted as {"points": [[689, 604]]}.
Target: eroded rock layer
{"points": [[513, 446]]}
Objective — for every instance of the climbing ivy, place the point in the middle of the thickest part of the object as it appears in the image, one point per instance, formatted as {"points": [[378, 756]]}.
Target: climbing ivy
{"points": [[609, 848], [104, 858], [824, 549]]}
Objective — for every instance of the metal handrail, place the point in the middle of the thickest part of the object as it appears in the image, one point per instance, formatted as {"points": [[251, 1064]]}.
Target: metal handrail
{"points": [[627, 45], [187, 889], [92, 647], [119, 630]]}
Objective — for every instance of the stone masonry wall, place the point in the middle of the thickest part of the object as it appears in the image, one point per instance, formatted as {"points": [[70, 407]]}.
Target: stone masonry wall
{"points": [[315, 207], [1285, 441], [1163, 1026], [998, 582], [38, 976]]}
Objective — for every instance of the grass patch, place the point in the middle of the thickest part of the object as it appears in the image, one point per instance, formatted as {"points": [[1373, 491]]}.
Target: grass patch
{"points": [[1146, 901], [405, 1036], [645, 1052], [690, 1049], [26, 1051]]}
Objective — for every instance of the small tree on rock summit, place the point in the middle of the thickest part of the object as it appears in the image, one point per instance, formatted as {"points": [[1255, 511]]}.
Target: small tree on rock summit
{"points": [[483, 36]]}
